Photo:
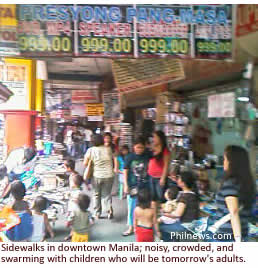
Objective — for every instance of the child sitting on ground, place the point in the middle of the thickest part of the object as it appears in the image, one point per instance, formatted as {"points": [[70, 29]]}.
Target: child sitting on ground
{"points": [[80, 219], [121, 160], [170, 206], [22, 231], [145, 218], [40, 221]]}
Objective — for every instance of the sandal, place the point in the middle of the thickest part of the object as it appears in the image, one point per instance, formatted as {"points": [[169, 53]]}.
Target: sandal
{"points": [[127, 233]]}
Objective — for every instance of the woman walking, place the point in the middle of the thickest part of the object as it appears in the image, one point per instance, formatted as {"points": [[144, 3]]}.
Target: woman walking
{"points": [[103, 175]]}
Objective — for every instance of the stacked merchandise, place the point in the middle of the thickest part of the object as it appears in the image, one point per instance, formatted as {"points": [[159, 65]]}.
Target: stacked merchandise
{"points": [[2, 144], [126, 134]]}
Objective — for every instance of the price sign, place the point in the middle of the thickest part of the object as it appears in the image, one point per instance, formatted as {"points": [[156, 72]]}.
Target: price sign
{"points": [[214, 40], [161, 32], [42, 32], [104, 31]]}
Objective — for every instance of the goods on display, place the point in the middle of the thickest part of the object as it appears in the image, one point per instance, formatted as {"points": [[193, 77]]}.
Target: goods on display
{"points": [[95, 112], [186, 31], [111, 107], [126, 135]]}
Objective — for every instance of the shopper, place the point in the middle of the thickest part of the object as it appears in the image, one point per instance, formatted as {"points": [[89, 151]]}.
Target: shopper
{"points": [[145, 218], [40, 220], [108, 141], [103, 175], [158, 167], [135, 178], [80, 219], [237, 190], [187, 208], [120, 169]]}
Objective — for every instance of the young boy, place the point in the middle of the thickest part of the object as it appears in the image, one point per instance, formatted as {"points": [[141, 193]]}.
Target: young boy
{"points": [[80, 219], [70, 167], [135, 178], [145, 218], [23, 231]]}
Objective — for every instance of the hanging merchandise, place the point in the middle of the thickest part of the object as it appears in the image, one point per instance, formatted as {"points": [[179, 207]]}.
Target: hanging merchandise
{"points": [[111, 107], [126, 135]]}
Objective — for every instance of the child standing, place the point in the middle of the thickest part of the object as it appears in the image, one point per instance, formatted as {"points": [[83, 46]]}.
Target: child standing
{"points": [[145, 218], [135, 178], [22, 231], [40, 220], [80, 219], [170, 206], [121, 161], [70, 167]]}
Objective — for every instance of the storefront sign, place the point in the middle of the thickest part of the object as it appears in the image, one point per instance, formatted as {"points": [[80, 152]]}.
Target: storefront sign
{"points": [[14, 78], [44, 32], [221, 105], [111, 107], [85, 96], [8, 29], [196, 31], [133, 75], [96, 109], [247, 19]]}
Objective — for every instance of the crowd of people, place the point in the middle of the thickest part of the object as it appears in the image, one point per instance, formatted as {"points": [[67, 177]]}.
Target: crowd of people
{"points": [[159, 201]]}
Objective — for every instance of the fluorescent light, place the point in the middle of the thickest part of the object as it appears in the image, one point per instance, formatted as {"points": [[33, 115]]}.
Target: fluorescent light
{"points": [[245, 99]]}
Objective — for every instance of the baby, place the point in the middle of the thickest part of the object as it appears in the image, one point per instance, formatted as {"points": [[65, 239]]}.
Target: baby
{"points": [[170, 206]]}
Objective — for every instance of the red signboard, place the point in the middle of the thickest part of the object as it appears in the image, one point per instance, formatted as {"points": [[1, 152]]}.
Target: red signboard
{"points": [[85, 96], [247, 19]]}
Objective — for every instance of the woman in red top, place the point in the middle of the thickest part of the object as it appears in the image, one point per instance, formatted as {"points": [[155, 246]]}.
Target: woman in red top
{"points": [[158, 166]]}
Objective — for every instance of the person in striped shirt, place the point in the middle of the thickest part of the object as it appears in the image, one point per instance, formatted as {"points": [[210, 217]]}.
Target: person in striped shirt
{"points": [[237, 190]]}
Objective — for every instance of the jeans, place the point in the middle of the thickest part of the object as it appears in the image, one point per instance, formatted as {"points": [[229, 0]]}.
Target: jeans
{"points": [[102, 195], [131, 202], [174, 232], [156, 190]]}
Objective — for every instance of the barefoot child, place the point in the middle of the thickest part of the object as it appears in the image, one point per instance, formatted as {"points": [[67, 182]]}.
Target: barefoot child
{"points": [[145, 218], [40, 221], [80, 219]]}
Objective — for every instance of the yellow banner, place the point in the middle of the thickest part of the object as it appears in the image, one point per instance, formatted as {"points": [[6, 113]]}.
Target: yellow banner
{"points": [[8, 15], [95, 109]]}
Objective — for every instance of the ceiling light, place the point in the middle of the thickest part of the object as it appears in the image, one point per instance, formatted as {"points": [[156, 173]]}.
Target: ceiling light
{"points": [[244, 99]]}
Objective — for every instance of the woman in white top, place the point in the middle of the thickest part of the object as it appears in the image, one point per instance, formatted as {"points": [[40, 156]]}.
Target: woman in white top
{"points": [[40, 220], [103, 175]]}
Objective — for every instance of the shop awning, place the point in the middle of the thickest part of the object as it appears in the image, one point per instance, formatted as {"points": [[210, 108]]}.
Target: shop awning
{"points": [[5, 93]]}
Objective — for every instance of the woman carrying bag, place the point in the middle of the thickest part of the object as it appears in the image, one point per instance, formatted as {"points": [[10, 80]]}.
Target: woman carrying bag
{"points": [[99, 159]]}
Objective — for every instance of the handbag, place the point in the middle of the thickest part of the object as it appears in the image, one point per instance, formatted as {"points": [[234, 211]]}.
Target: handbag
{"points": [[133, 191], [88, 172]]}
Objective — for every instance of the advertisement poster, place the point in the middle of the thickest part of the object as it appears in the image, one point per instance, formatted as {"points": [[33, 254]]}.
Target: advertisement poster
{"points": [[14, 78], [8, 30], [111, 107], [95, 112], [115, 31], [85, 96], [221, 105]]}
